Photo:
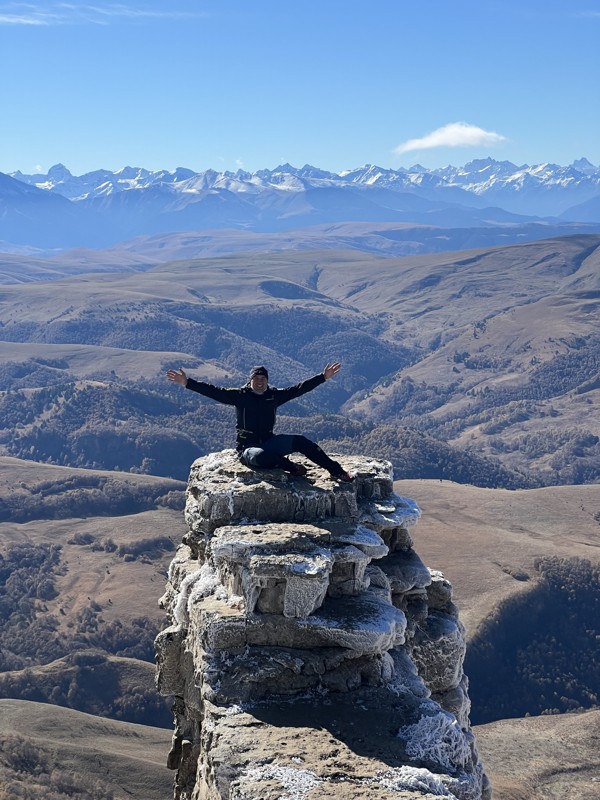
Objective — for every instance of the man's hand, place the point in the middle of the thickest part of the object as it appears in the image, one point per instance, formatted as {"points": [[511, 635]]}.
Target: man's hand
{"points": [[331, 370], [177, 376]]}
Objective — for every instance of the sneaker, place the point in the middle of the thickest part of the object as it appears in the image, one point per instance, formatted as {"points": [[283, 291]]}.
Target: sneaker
{"points": [[347, 477]]}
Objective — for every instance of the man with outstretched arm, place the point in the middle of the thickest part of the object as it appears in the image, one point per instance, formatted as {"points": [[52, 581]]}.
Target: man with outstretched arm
{"points": [[256, 406]]}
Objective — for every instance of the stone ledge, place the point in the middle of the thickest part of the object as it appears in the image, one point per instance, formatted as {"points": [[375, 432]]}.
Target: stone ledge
{"points": [[367, 625], [222, 491], [405, 571], [257, 673], [287, 569]]}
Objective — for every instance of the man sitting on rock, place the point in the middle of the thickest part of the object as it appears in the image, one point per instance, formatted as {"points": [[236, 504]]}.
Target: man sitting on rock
{"points": [[256, 406]]}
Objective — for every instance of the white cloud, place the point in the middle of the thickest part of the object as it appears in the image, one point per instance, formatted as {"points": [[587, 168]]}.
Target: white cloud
{"points": [[17, 19], [71, 13], [456, 134]]}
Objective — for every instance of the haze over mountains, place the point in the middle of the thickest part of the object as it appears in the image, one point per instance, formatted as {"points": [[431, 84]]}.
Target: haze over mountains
{"points": [[59, 210]]}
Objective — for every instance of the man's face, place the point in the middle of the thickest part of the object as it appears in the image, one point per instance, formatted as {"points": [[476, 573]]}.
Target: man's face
{"points": [[258, 384]]}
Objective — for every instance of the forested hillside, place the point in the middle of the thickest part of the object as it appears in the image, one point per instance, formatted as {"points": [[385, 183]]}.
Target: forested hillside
{"points": [[538, 653], [481, 366], [74, 543]]}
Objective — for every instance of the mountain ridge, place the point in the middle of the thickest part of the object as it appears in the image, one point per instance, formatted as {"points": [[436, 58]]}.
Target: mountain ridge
{"points": [[103, 207], [477, 177]]}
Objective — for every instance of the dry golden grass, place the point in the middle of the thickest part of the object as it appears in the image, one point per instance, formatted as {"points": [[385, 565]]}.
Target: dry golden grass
{"points": [[96, 574], [129, 759], [486, 540], [543, 758], [124, 589]]}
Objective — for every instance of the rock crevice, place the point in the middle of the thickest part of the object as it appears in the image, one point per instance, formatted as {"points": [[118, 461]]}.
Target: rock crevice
{"points": [[311, 653]]}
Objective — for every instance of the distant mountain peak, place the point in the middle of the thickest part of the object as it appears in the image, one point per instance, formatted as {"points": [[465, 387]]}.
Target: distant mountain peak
{"points": [[286, 168], [480, 164], [59, 173], [130, 173], [584, 166]]}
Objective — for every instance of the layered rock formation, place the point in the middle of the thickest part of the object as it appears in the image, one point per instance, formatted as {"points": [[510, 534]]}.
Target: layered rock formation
{"points": [[311, 653]]}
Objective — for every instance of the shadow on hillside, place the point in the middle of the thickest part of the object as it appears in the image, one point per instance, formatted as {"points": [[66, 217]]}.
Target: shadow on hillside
{"points": [[538, 654]]}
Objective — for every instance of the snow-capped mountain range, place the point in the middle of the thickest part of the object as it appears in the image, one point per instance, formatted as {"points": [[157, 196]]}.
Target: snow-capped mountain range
{"points": [[540, 190], [99, 208]]}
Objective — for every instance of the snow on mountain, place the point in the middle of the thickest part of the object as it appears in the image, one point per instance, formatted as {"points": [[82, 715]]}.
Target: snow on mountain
{"points": [[546, 189], [102, 207], [540, 189], [98, 183], [478, 173]]}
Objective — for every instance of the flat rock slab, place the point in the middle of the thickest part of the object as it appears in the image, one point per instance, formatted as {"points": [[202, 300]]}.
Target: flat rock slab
{"points": [[222, 491], [289, 568], [405, 571], [237, 542]]}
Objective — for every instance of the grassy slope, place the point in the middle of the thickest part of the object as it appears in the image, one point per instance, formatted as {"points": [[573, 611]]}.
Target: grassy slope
{"points": [[129, 759], [486, 540], [102, 576], [542, 758]]}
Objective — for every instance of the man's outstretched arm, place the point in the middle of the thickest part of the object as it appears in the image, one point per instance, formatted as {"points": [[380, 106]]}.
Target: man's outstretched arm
{"points": [[218, 393], [285, 395]]}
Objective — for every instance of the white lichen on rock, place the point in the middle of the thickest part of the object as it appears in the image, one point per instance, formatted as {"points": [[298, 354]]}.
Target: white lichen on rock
{"points": [[418, 779], [295, 782], [196, 585], [438, 739]]}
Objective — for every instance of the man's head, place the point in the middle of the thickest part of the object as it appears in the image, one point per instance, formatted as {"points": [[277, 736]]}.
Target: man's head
{"points": [[259, 379]]}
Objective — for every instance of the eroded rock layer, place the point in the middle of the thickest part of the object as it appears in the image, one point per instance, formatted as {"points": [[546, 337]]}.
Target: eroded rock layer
{"points": [[311, 653]]}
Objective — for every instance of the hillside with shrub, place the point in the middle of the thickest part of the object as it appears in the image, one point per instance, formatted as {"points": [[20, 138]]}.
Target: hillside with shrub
{"points": [[538, 653], [489, 354], [74, 542]]}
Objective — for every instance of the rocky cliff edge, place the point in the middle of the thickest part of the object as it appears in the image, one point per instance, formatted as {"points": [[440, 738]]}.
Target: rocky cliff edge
{"points": [[311, 653]]}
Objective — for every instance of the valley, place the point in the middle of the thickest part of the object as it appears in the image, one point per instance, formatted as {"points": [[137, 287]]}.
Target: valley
{"points": [[487, 542], [475, 372]]}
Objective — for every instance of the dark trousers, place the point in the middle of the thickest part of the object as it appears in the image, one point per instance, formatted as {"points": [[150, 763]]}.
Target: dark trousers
{"points": [[272, 452]]}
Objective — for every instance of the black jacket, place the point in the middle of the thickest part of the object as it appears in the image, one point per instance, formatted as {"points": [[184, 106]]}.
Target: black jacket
{"points": [[256, 413]]}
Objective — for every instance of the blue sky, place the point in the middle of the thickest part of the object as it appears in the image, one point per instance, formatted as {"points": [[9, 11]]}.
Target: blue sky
{"points": [[334, 83]]}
